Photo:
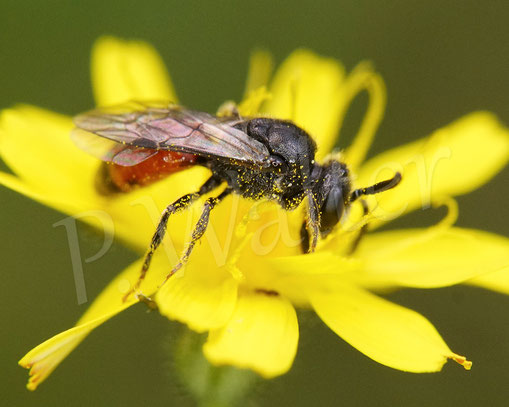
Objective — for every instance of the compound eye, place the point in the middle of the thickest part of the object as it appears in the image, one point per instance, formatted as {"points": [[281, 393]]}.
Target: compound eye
{"points": [[332, 210]]}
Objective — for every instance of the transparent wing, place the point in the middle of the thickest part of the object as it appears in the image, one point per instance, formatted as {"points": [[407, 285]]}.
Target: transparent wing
{"points": [[109, 150], [171, 127]]}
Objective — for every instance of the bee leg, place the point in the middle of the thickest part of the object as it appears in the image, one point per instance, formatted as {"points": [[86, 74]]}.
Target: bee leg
{"points": [[304, 238], [311, 227], [181, 203], [362, 230], [307, 245], [199, 230]]}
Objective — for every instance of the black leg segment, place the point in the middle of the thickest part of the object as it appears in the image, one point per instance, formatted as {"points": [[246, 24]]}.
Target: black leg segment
{"points": [[181, 203], [311, 227], [199, 229]]}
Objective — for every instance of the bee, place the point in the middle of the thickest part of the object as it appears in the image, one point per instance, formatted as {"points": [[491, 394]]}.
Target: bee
{"points": [[255, 157]]}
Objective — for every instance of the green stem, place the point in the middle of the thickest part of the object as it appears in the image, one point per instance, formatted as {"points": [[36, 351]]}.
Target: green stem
{"points": [[210, 386]]}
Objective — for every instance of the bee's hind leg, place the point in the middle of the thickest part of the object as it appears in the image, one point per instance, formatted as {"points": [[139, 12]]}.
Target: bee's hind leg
{"points": [[199, 229], [181, 203]]}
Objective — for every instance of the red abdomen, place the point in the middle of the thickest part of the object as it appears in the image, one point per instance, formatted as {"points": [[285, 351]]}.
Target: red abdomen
{"points": [[155, 168]]}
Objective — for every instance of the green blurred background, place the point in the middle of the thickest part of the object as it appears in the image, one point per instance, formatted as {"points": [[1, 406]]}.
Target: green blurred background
{"points": [[440, 60]]}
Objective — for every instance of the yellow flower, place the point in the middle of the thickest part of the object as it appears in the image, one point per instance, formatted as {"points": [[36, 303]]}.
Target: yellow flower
{"points": [[243, 282]]}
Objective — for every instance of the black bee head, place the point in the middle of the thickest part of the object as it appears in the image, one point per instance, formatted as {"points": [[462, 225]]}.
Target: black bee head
{"points": [[331, 193]]}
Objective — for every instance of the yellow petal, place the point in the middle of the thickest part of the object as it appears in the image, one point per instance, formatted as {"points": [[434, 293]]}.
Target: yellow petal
{"points": [[43, 359], [250, 106], [202, 296], [49, 168], [262, 335], [35, 144], [387, 333], [32, 192], [260, 69], [364, 78], [308, 90], [294, 276], [429, 258], [111, 298], [496, 281], [454, 160], [204, 293], [128, 70]]}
